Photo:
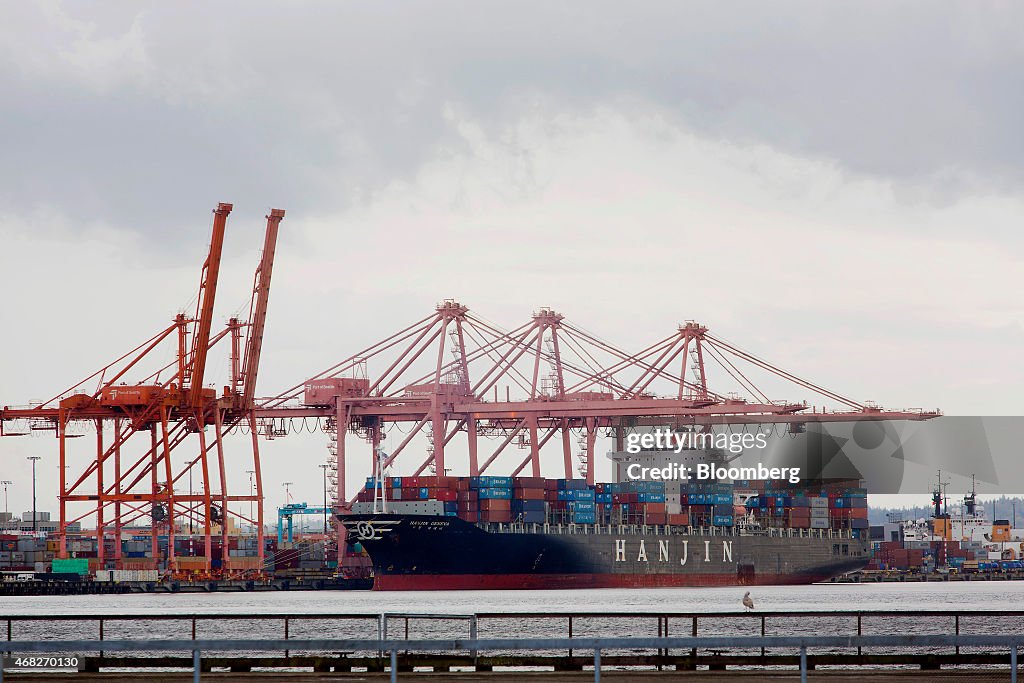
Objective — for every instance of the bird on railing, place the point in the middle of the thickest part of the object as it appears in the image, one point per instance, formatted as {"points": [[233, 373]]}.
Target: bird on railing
{"points": [[747, 602]]}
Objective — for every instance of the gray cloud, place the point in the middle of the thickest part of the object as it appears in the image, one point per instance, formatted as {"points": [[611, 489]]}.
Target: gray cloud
{"points": [[315, 105]]}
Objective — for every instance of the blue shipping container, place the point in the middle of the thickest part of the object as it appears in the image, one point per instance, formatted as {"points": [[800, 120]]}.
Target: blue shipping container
{"points": [[495, 494]]}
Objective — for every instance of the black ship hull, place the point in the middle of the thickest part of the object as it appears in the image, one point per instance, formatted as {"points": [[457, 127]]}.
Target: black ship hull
{"points": [[415, 552]]}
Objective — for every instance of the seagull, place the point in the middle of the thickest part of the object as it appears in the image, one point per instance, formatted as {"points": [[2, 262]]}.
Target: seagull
{"points": [[747, 602]]}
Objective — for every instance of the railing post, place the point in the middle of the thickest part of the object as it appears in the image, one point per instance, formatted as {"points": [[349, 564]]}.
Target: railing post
{"points": [[286, 652], [570, 635], [659, 649], [665, 651], [472, 636], [803, 664], [762, 634], [859, 633], [693, 632], [101, 635], [1013, 663], [957, 618], [597, 665], [196, 666], [394, 665]]}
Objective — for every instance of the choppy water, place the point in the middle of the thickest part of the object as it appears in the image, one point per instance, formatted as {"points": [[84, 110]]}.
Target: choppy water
{"points": [[977, 595]]}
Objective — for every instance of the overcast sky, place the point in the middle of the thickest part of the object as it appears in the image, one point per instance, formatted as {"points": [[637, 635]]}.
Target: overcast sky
{"points": [[836, 187]]}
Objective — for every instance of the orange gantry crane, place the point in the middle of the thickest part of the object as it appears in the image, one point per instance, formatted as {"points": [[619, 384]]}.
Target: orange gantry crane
{"points": [[130, 481]]}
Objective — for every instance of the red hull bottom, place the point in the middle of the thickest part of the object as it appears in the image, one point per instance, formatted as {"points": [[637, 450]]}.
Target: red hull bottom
{"points": [[429, 582]]}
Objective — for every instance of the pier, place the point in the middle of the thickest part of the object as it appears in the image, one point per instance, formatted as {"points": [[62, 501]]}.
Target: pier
{"points": [[539, 646]]}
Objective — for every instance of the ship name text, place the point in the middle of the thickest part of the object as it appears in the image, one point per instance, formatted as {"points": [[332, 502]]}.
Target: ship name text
{"points": [[662, 551]]}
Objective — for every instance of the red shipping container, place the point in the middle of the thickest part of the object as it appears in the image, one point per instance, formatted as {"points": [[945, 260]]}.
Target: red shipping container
{"points": [[654, 507], [469, 515], [679, 518], [467, 495], [528, 482], [528, 494], [491, 504], [462, 485], [496, 516], [657, 518], [446, 494]]}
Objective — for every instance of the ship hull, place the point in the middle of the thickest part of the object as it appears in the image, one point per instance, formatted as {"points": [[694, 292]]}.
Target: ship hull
{"points": [[412, 552]]}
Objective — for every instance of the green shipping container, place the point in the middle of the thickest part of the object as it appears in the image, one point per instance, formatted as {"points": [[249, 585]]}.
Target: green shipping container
{"points": [[79, 565]]}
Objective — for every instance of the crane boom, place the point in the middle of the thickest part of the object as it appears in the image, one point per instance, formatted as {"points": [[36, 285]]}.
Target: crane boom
{"points": [[258, 309], [204, 308]]}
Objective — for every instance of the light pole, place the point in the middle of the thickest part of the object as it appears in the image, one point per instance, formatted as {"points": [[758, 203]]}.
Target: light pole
{"points": [[5, 483], [252, 493], [324, 467], [35, 523]]}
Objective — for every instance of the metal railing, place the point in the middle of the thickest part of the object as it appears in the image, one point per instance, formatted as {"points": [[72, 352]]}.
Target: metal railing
{"points": [[393, 647], [569, 528], [543, 624]]}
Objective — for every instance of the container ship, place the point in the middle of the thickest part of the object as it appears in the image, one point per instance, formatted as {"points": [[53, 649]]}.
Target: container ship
{"points": [[455, 533]]}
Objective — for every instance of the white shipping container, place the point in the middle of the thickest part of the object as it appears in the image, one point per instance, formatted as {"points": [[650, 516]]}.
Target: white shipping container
{"points": [[404, 507]]}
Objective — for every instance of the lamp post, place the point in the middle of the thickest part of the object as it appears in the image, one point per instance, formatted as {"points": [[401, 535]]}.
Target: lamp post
{"points": [[252, 494], [5, 483], [35, 522], [324, 467]]}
